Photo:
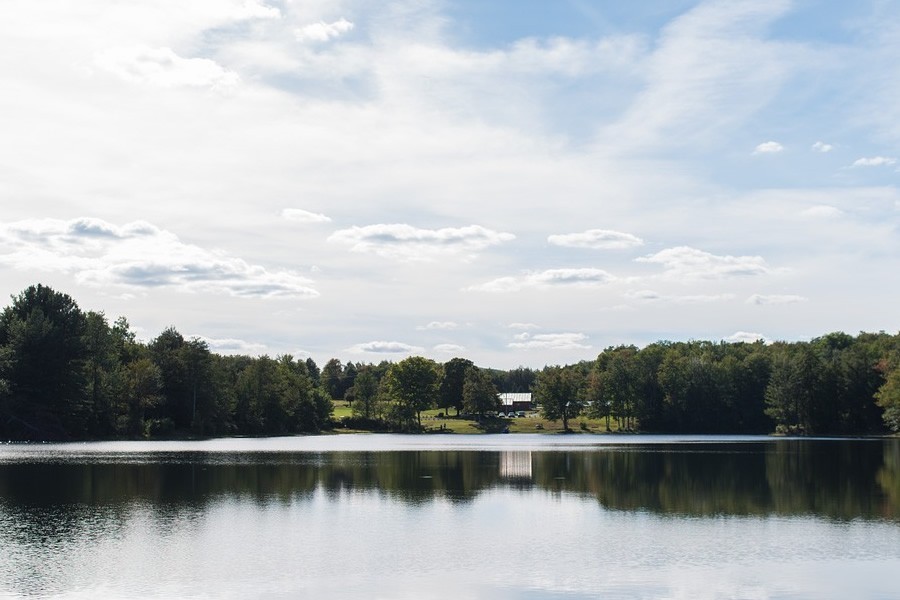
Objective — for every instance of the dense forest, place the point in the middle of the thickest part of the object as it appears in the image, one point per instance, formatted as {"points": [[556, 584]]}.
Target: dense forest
{"points": [[68, 374]]}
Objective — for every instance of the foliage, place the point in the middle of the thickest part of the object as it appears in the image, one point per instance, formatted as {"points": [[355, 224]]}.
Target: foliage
{"points": [[479, 394], [413, 385], [558, 392], [888, 398], [365, 392], [42, 333], [69, 374]]}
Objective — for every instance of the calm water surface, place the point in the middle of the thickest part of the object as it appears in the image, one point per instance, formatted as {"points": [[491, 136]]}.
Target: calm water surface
{"points": [[420, 517]]}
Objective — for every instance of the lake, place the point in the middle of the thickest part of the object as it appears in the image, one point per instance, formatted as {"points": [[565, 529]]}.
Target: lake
{"points": [[422, 517]]}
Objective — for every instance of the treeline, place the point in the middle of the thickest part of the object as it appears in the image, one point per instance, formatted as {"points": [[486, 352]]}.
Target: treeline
{"points": [[834, 384], [68, 374]]}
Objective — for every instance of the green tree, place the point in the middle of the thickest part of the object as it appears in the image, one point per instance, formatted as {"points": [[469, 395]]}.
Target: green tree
{"points": [[331, 379], [42, 339], [413, 384], [348, 378], [612, 385], [479, 393], [140, 391], [558, 392], [365, 391], [101, 363], [451, 390], [888, 398], [794, 385], [313, 370]]}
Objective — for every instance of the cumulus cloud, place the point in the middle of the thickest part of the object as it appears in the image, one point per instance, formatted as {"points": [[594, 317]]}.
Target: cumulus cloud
{"points": [[597, 239], [747, 337], [584, 277], [550, 341], [686, 263], [523, 326], [822, 211], [233, 346], [382, 347], [449, 348], [438, 325], [822, 147], [164, 68], [768, 148], [138, 255], [763, 299], [253, 9], [304, 216], [874, 161], [322, 31], [406, 242], [651, 296]]}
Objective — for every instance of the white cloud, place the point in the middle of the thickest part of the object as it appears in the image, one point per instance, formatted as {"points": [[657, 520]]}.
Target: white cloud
{"points": [[253, 9], [138, 255], [686, 263], [710, 70], [597, 239], [747, 337], [764, 299], [406, 242], [768, 148], [322, 31], [552, 341], [822, 211], [523, 326], [163, 68], [234, 346], [304, 216], [438, 325], [382, 347], [875, 161], [651, 296], [582, 277], [822, 147], [449, 348]]}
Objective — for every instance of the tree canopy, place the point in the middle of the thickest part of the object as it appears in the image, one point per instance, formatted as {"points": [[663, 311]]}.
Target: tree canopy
{"points": [[70, 374]]}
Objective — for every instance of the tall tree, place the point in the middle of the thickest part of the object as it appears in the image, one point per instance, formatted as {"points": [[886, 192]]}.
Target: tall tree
{"points": [[888, 398], [330, 379], [452, 382], [479, 393], [142, 385], [558, 392], [365, 391], [42, 337], [100, 366], [313, 369], [413, 384]]}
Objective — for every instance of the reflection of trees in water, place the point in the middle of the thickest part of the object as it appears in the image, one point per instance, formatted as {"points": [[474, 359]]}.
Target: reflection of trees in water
{"points": [[889, 479], [842, 480], [826, 478]]}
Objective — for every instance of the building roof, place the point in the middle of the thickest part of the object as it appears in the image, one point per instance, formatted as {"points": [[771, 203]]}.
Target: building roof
{"points": [[507, 398]]}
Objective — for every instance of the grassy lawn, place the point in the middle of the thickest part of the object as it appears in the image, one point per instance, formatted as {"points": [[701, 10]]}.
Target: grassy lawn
{"points": [[532, 422], [341, 409], [436, 420]]}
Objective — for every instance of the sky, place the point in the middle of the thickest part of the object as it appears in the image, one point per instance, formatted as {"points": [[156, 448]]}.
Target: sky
{"points": [[518, 182]]}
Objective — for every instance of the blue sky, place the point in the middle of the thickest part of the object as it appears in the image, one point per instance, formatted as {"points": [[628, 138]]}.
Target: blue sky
{"points": [[516, 182]]}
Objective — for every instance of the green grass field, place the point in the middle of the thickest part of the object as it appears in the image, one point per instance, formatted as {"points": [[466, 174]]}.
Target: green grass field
{"points": [[435, 420]]}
